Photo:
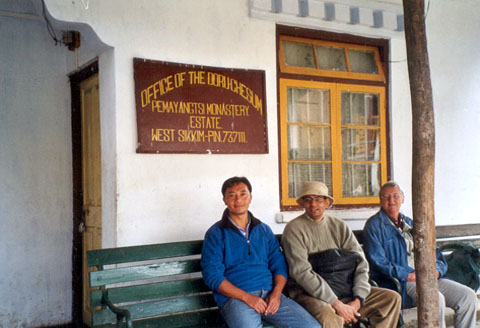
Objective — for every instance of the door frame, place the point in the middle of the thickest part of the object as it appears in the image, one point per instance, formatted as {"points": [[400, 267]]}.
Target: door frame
{"points": [[76, 78]]}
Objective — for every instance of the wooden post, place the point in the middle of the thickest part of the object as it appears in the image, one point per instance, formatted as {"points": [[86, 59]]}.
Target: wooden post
{"points": [[423, 163]]}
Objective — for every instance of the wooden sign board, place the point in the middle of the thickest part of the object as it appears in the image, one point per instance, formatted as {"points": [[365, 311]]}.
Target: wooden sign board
{"points": [[198, 109]]}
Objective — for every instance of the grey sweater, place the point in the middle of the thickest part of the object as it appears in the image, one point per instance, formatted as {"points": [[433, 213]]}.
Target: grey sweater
{"points": [[303, 236]]}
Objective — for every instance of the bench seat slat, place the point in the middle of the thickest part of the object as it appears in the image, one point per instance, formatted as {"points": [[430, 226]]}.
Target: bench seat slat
{"points": [[207, 318], [156, 308], [150, 291], [156, 270], [143, 253]]}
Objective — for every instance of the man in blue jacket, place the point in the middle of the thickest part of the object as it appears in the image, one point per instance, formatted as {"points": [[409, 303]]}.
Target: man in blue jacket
{"points": [[388, 244], [243, 264]]}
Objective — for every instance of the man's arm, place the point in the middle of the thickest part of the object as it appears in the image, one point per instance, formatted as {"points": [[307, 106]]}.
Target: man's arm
{"points": [[361, 285], [441, 264]]}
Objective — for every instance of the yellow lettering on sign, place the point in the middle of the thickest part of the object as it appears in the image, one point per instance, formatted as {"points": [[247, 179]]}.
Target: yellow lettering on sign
{"points": [[163, 135], [197, 77], [234, 137], [191, 135], [205, 122]]}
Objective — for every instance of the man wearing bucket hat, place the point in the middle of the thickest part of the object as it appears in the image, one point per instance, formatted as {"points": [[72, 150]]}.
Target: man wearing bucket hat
{"points": [[314, 233]]}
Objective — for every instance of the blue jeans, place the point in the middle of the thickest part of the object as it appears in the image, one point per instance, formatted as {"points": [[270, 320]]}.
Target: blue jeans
{"points": [[290, 314]]}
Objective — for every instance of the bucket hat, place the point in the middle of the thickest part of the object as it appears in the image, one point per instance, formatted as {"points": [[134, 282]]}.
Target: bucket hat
{"points": [[314, 188]]}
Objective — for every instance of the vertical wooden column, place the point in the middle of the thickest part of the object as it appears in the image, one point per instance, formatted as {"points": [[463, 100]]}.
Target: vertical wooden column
{"points": [[423, 162]]}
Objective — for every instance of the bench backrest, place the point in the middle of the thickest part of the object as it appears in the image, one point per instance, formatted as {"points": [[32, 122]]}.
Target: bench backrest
{"points": [[164, 277]]}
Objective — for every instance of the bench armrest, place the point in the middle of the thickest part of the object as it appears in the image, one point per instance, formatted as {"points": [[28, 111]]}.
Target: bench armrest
{"points": [[393, 280], [121, 313]]}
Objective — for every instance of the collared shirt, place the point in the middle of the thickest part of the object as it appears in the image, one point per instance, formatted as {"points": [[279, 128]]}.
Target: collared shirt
{"points": [[241, 230], [406, 231]]}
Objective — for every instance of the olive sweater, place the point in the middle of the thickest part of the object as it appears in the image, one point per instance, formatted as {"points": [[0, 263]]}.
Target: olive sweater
{"points": [[303, 236]]}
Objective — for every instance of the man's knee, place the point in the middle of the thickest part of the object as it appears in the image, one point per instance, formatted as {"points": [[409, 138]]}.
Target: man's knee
{"points": [[387, 296], [322, 311], [328, 318], [394, 297], [469, 300]]}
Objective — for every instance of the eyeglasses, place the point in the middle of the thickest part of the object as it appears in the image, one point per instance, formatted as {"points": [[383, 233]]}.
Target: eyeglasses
{"points": [[394, 196], [310, 200]]}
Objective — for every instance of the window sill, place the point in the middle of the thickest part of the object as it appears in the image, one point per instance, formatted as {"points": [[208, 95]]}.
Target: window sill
{"points": [[350, 214]]}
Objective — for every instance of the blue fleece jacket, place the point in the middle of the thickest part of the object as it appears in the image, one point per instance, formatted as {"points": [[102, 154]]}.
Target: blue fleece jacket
{"points": [[249, 264], [386, 253]]}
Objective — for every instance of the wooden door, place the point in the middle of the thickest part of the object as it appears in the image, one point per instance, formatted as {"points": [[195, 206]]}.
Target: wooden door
{"points": [[91, 179]]}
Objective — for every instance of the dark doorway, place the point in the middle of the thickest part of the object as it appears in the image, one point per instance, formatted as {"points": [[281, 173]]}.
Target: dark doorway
{"points": [[76, 79]]}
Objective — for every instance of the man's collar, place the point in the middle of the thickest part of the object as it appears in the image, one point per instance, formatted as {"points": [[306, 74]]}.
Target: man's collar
{"points": [[399, 223]]}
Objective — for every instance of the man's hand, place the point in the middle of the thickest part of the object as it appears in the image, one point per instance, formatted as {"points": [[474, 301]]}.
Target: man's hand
{"points": [[411, 277], [273, 303], [346, 311], [256, 303], [274, 298], [356, 304], [226, 288]]}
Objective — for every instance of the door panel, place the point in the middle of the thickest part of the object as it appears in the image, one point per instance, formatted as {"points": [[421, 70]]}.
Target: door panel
{"points": [[91, 179]]}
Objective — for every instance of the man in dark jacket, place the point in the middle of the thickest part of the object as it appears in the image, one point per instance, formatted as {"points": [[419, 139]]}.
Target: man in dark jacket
{"points": [[388, 244], [243, 264]]}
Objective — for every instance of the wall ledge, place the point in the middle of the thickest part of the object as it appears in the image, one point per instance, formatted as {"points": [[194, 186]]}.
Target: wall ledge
{"points": [[362, 17]]}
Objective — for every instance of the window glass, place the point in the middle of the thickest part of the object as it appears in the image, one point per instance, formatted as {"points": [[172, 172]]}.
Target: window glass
{"points": [[309, 143], [362, 61], [360, 145], [299, 173], [360, 109], [308, 105], [361, 180], [298, 54], [331, 58]]}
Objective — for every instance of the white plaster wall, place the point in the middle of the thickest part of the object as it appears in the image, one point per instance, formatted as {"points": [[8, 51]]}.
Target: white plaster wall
{"points": [[35, 177], [166, 197], [454, 46]]}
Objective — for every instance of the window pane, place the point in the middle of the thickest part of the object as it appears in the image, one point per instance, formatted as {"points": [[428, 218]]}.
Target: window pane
{"points": [[299, 173], [361, 180], [362, 61], [360, 145], [308, 105], [298, 54], [360, 109], [331, 58], [308, 143]]}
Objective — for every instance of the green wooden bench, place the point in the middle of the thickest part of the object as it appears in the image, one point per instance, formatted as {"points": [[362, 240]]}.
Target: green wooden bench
{"points": [[161, 286], [151, 286]]}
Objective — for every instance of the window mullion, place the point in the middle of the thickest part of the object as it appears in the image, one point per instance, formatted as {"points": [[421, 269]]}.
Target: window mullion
{"points": [[336, 142]]}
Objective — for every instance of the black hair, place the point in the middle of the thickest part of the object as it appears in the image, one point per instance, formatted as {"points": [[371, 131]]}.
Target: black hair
{"points": [[233, 181]]}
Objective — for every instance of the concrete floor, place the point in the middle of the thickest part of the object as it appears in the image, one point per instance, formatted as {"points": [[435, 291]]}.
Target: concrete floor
{"points": [[410, 318]]}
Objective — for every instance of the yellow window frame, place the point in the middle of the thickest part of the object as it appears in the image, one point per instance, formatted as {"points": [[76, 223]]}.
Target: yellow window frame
{"points": [[284, 68], [336, 141]]}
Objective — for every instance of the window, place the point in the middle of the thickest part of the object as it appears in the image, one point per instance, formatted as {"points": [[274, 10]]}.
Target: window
{"points": [[332, 131]]}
